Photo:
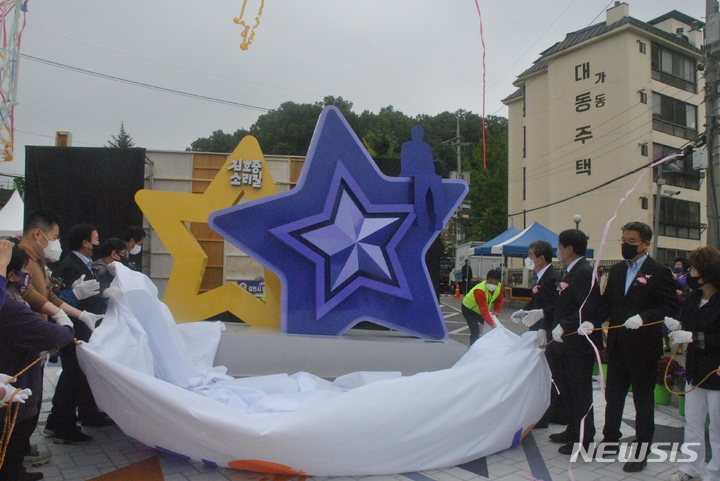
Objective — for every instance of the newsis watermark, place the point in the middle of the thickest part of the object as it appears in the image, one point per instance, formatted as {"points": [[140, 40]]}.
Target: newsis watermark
{"points": [[623, 452]]}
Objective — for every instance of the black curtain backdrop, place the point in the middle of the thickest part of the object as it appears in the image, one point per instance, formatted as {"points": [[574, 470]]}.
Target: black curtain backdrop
{"points": [[85, 185]]}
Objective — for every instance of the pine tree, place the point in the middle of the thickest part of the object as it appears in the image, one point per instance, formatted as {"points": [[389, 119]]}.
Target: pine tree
{"points": [[123, 139]]}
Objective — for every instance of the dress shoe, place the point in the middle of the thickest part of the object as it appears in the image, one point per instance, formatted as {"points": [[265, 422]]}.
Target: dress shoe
{"points": [[561, 438], [569, 448], [635, 466], [98, 421], [71, 437]]}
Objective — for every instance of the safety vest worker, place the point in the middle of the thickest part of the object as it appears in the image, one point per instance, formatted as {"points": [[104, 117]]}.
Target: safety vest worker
{"points": [[483, 299]]}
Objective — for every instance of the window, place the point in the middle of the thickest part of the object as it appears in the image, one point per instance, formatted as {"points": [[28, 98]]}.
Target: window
{"points": [[679, 218], [644, 203], [524, 142], [673, 68], [674, 117], [668, 256], [642, 46], [680, 173], [643, 97], [644, 150]]}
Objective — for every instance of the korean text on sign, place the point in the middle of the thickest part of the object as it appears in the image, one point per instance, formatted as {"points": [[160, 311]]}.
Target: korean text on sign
{"points": [[247, 172]]}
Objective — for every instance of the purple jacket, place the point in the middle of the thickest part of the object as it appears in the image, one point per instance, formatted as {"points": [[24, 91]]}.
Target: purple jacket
{"points": [[23, 336]]}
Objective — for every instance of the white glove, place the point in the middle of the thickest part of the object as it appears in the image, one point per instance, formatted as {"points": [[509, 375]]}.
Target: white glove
{"points": [[586, 328], [672, 324], [8, 390], [495, 320], [634, 322], [533, 317], [114, 293], [62, 319], [517, 316], [557, 333], [84, 289], [680, 337], [541, 338], [90, 319], [112, 268]]}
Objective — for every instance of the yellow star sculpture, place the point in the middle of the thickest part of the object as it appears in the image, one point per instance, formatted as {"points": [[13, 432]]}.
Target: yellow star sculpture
{"points": [[168, 213]]}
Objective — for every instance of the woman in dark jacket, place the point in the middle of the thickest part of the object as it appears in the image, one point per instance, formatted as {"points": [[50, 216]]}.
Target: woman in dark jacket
{"points": [[701, 329], [23, 337]]}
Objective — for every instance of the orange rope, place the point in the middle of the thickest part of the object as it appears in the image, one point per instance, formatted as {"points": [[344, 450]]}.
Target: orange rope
{"points": [[667, 368], [603, 329], [11, 412]]}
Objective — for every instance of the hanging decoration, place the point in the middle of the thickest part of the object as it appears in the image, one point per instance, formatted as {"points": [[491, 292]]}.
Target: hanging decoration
{"points": [[248, 33], [10, 33]]}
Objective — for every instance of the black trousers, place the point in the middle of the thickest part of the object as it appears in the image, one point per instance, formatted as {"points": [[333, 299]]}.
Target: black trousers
{"points": [[624, 370], [557, 412], [12, 468], [573, 376], [474, 321], [72, 395]]}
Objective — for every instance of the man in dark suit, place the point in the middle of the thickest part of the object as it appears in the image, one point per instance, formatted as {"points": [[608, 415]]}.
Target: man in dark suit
{"points": [[537, 312], [571, 357], [639, 291], [73, 391]]}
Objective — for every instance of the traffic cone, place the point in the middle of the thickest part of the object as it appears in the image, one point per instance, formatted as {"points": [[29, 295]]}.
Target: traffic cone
{"points": [[457, 291]]}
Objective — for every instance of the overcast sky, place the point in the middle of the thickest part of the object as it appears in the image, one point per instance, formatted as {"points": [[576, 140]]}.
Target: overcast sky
{"points": [[420, 56]]}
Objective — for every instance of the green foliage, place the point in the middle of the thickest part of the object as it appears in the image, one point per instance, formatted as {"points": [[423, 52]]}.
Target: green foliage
{"points": [[488, 187], [123, 139], [219, 141], [288, 130]]}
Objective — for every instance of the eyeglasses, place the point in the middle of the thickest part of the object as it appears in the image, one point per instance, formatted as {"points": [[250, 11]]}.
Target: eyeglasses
{"points": [[631, 242]]}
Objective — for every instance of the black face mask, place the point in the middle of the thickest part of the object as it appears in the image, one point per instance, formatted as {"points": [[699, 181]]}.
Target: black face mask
{"points": [[629, 251], [694, 282]]}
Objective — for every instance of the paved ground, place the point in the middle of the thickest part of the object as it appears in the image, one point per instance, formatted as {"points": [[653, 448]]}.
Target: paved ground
{"points": [[115, 456]]}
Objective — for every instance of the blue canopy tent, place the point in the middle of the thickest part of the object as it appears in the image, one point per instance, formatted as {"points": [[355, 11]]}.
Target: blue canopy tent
{"points": [[484, 249], [517, 246]]}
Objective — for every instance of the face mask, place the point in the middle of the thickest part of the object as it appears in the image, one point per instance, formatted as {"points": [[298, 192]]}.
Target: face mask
{"points": [[23, 281], [677, 269], [491, 287], [629, 251], [694, 283], [135, 250], [529, 263], [53, 249]]}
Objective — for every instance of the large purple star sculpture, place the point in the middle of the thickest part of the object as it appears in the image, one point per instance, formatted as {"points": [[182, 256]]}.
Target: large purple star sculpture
{"points": [[345, 241]]}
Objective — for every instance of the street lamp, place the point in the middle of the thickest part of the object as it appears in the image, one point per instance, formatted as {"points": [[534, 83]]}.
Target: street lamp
{"points": [[577, 219]]}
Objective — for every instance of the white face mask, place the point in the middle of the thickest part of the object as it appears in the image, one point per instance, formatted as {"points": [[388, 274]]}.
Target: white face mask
{"points": [[53, 249], [529, 263], [135, 250], [491, 287]]}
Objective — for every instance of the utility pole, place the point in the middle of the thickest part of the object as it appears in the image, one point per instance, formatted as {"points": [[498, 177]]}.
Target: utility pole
{"points": [[456, 144], [712, 52]]}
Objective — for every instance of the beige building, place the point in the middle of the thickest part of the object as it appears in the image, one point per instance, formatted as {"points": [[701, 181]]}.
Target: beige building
{"points": [[607, 100]]}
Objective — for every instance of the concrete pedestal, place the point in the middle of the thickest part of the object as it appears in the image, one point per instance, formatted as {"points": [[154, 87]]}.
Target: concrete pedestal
{"points": [[256, 351]]}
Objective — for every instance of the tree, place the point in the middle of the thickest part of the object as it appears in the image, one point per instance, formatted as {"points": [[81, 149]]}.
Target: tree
{"points": [[123, 139], [488, 187], [288, 130], [219, 141]]}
